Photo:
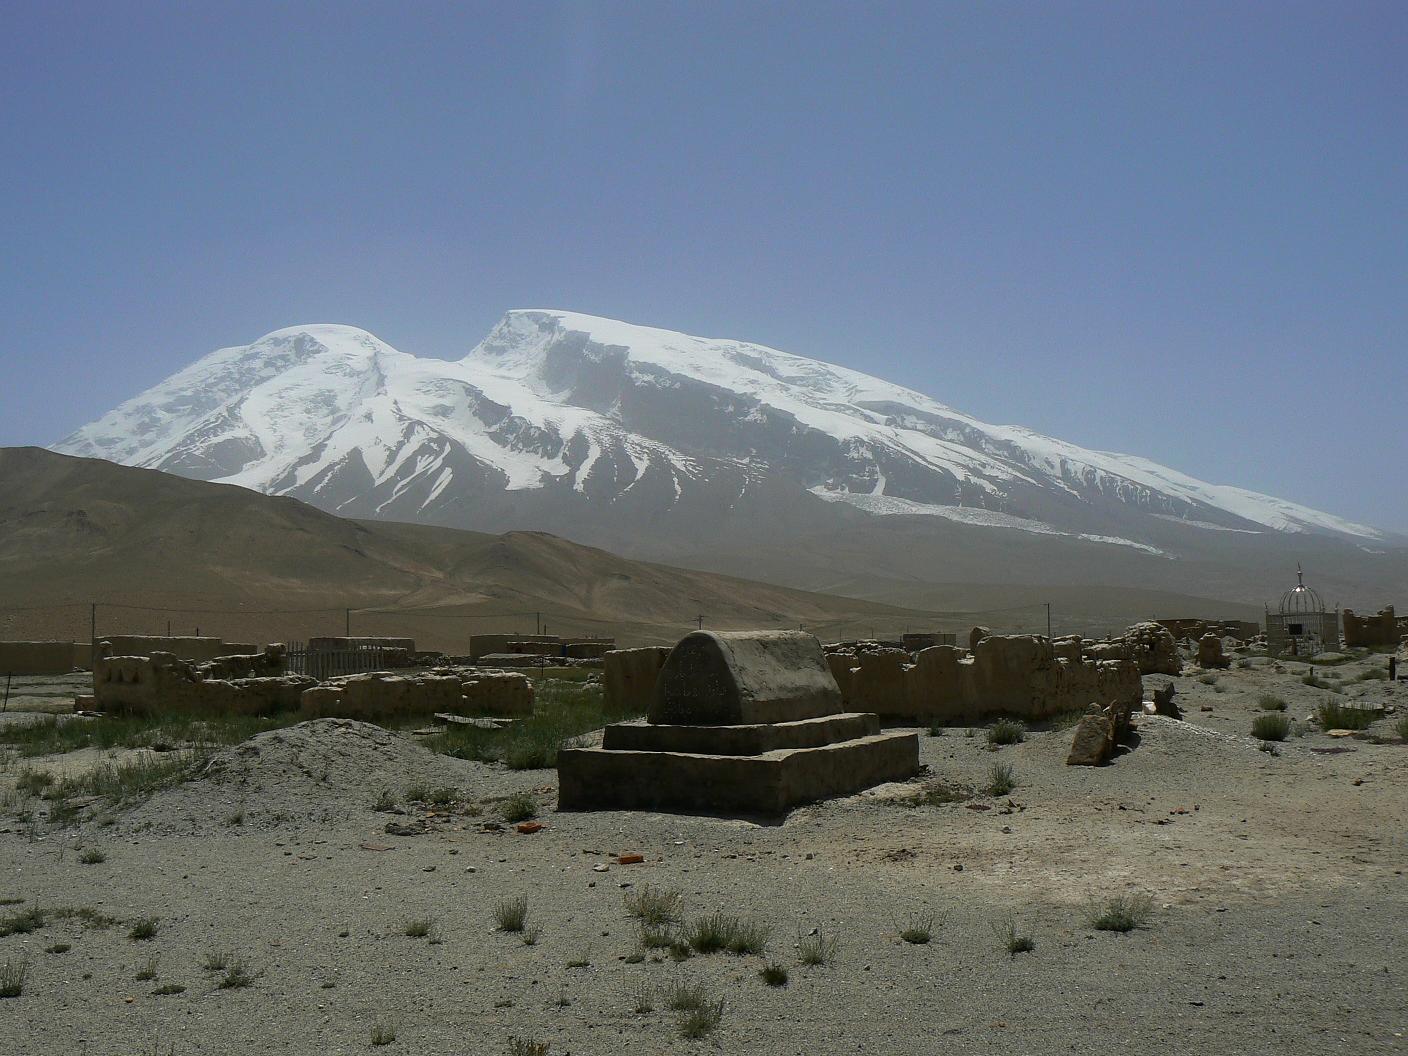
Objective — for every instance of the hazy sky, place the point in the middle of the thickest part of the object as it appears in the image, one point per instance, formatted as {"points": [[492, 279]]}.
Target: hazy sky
{"points": [[1174, 229]]}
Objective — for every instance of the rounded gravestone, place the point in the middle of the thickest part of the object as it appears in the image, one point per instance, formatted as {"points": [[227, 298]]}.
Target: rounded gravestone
{"points": [[734, 678]]}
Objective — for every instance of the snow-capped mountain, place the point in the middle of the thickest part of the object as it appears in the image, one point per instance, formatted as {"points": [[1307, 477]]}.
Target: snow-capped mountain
{"points": [[598, 414]]}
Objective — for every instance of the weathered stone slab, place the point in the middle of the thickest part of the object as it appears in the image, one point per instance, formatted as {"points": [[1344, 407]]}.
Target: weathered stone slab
{"points": [[735, 678], [771, 783], [739, 740], [628, 678]]}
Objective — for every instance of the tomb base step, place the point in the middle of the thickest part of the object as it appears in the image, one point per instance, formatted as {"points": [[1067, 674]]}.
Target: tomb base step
{"points": [[770, 783], [755, 739]]}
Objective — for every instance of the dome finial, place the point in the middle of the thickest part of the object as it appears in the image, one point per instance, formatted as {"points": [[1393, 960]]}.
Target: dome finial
{"points": [[1300, 576]]}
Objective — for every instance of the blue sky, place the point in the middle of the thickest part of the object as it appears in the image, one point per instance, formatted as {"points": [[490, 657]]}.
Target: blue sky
{"points": [[1177, 230]]}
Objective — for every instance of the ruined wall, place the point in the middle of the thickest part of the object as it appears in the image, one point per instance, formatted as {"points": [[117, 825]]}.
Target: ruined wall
{"points": [[377, 696], [628, 677], [330, 644], [503, 693], [1381, 630], [1005, 675], [481, 645], [181, 647], [163, 683], [1192, 630], [36, 658]]}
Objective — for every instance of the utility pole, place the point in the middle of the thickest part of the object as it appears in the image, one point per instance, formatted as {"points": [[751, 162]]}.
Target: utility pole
{"points": [[1048, 619], [93, 634], [700, 620], [347, 622], [538, 624]]}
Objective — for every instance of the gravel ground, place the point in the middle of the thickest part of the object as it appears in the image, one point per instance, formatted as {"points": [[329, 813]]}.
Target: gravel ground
{"points": [[1279, 904]]}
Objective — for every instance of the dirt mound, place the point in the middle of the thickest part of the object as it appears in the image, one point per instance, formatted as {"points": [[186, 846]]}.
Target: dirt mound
{"points": [[317, 771]]}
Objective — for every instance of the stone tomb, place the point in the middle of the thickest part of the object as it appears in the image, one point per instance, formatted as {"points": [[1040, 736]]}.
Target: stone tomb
{"points": [[741, 722]]}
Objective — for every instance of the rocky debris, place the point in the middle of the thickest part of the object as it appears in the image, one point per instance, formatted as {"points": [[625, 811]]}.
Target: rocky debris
{"points": [[1164, 704], [1210, 653], [1097, 734]]}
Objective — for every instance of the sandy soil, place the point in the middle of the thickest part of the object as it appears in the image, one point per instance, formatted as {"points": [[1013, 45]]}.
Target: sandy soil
{"points": [[1279, 924]]}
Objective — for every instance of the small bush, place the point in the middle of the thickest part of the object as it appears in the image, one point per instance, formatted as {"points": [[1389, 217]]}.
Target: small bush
{"points": [[518, 807], [215, 960], [147, 972], [58, 947], [936, 729], [1006, 731], [918, 931], [656, 936], [12, 977], [383, 1034], [654, 906], [1270, 702], [443, 797], [510, 914], [684, 997], [817, 949], [1271, 727], [532, 935], [1374, 674], [643, 999], [701, 1022], [1122, 914], [773, 974], [1001, 780], [385, 802], [143, 928], [417, 927], [33, 782], [524, 1047], [92, 856], [1335, 716]]}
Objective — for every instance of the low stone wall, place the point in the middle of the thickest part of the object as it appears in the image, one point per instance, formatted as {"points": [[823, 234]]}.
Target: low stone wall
{"points": [[36, 658], [482, 645], [377, 696]]}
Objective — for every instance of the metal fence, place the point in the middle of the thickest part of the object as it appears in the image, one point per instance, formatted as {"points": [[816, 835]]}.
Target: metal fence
{"points": [[323, 664]]}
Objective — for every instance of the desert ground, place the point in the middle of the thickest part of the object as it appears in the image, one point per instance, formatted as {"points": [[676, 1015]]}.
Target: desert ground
{"points": [[334, 887]]}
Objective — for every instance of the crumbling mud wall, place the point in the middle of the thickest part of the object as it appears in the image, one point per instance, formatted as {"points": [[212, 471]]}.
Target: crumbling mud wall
{"points": [[1379, 631], [183, 647], [1025, 675], [163, 683]]}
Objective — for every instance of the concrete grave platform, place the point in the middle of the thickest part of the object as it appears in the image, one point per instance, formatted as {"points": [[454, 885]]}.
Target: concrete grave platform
{"points": [[739, 740], [770, 783]]}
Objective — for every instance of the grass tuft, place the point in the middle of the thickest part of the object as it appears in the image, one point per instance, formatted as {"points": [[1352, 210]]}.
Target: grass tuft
{"points": [[511, 914], [417, 927], [1013, 940], [654, 906], [1123, 913], [12, 976], [525, 1047], [147, 972], [1272, 726], [518, 807], [143, 928], [22, 922], [684, 997], [1002, 779], [1270, 702], [919, 930], [382, 1034], [643, 999], [92, 856], [773, 974], [817, 949], [237, 976], [1006, 731], [701, 1022], [1335, 716]]}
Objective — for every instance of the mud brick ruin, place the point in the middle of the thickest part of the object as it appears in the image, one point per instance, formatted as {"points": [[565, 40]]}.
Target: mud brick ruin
{"points": [[747, 722]]}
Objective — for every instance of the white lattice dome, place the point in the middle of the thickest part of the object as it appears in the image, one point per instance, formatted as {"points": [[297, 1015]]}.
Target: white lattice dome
{"points": [[1300, 598]]}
